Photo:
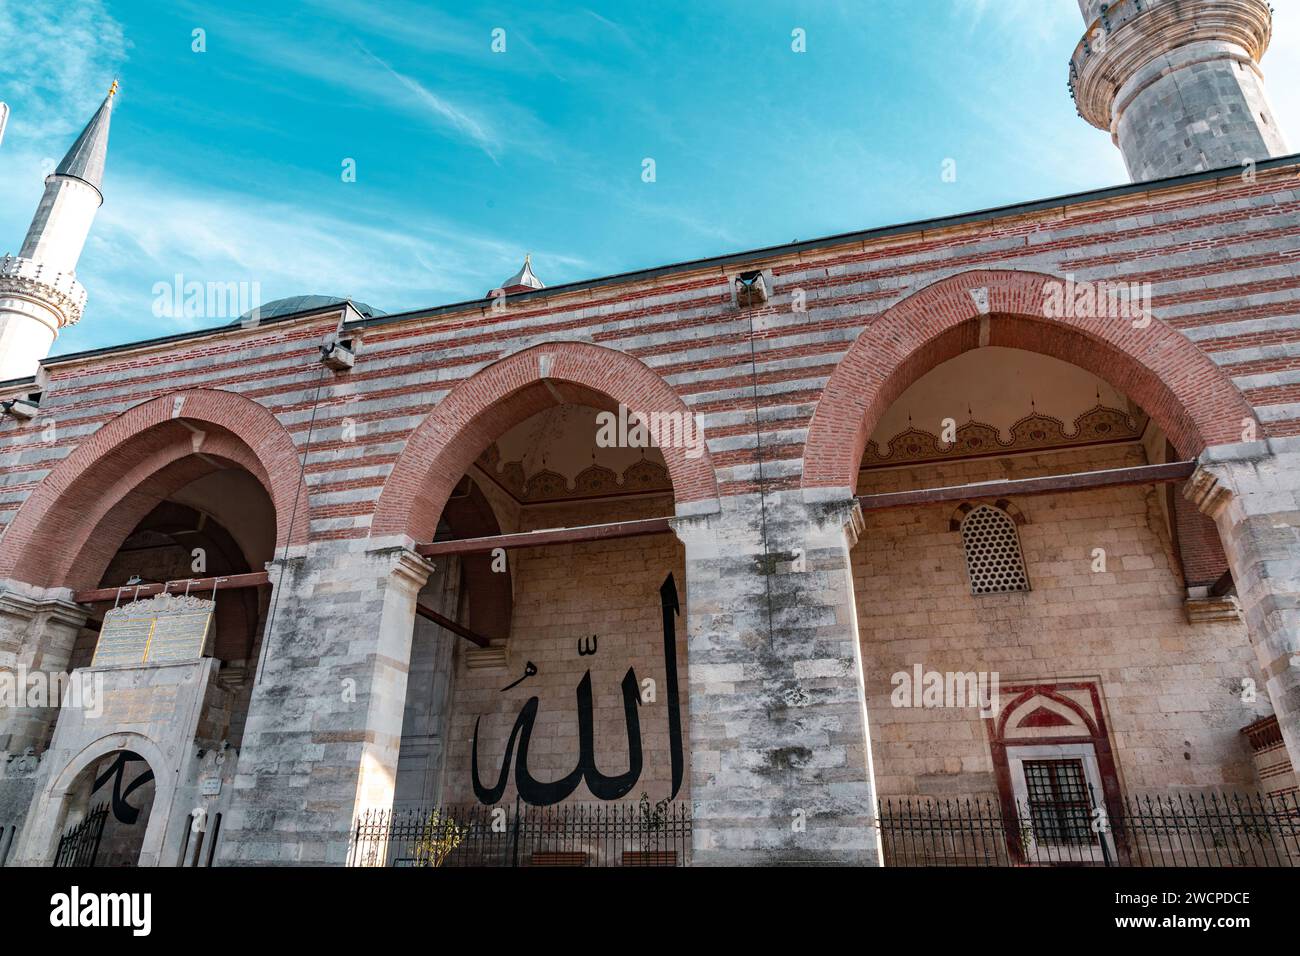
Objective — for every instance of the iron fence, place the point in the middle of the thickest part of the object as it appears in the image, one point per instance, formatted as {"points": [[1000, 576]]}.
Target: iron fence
{"points": [[577, 834], [79, 846], [1188, 829]]}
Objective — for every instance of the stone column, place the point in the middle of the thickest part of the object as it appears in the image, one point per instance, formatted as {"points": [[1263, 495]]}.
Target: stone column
{"points": [[1253, 493], [38, 629], [325, 720], [780, 760]]}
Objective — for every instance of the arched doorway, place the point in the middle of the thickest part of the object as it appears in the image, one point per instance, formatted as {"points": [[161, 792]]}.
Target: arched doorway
{"points": [[1025, 530], [564, 629], [193, 487], [109, 803], [115, 796], [218, 526], [66, 532]]}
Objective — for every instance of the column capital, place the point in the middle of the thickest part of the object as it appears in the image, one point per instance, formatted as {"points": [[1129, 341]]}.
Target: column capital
{"points": [[57, 609], [1208, 489], [407, 565]]}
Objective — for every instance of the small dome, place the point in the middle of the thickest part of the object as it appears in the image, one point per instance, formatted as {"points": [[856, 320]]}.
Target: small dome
{"points": [[523, 280], [305, 303]]}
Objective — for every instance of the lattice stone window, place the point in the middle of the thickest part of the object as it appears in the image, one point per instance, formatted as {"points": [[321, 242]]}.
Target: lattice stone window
{"points": [[993, 552]]}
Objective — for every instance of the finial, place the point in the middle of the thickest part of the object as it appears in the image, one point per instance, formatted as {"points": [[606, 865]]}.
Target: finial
{"points": [[112, 90]]}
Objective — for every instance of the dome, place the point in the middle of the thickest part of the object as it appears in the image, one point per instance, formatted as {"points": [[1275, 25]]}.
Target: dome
{"points": [[305, 303]]}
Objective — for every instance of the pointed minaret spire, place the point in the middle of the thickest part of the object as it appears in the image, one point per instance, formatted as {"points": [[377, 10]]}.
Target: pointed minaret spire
{"points": [[85, 160], [39, 291]]}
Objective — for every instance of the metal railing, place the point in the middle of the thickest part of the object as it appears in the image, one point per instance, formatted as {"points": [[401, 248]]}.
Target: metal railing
{"points": [[1187, 830], [576, 834], [79, 846], [1181, 829]]}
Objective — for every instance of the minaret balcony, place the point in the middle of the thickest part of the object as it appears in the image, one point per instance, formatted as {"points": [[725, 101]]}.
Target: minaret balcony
{"points": [[1108, 55], [26, 277]]}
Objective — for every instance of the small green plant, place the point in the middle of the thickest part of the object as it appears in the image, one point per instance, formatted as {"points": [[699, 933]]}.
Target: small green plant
{"points": [[653, 817], [438, 837]]}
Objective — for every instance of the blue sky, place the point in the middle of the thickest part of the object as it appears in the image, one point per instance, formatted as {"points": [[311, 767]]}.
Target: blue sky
{"points": [[226, 165]]}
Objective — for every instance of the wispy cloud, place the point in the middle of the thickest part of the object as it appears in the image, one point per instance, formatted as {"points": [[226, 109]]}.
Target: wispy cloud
{"points": [[156, 224], [457, 117], [1022, 21], [611, 25], [407, 23], [154, 229], [58, 60]]}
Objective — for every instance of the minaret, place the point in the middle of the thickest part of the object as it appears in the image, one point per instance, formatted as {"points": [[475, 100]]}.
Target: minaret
{"points": [[1177, 83], [39, 291]]}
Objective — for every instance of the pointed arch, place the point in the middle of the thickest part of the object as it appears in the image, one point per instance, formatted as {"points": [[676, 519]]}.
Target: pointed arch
{"points": [[68, 529], [497, 398], [1178, 385]]}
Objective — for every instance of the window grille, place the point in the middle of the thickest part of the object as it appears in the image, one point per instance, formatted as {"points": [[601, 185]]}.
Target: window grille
{"points": [[993, 555], [1059, 802]]}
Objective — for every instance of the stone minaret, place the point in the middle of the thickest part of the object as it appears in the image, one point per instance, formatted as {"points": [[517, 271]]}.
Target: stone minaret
{"points": [[1177, 83], [39, 291]]}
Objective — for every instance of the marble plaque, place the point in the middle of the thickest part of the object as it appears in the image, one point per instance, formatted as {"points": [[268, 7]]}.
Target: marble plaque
{"points": [[167, 627]]}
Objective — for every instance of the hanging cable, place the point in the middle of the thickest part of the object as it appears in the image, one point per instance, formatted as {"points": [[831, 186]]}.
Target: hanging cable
{"points": [[265, 651], [762, 488]]}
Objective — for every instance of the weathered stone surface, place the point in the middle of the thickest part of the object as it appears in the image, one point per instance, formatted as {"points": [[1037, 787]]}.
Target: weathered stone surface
{"points": [[780, 768], [325, 721], [1257, 507]]}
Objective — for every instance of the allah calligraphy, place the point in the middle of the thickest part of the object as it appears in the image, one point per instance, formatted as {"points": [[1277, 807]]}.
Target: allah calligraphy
{"points": [[602, 786]]}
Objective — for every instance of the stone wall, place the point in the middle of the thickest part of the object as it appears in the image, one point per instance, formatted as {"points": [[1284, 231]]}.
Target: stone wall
{"points": [[1202, 106], [1199, 244], [563, 596], [780, 763], [1172, 691], [325, 721], [777, 722], [153, 711]]}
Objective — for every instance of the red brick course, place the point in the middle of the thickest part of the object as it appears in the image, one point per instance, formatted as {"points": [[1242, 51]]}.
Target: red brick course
{"points": [[1178, 385], [72, 523], [485, 406], [684, 329]]}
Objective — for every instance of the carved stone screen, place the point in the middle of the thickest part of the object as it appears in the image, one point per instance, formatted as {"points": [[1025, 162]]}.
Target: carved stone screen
{"points": [[153, 631]]}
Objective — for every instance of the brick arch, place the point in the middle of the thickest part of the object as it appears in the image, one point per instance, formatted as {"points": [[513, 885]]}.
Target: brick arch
{"points": [[68, 529], [497, 398], [1178, 385]]}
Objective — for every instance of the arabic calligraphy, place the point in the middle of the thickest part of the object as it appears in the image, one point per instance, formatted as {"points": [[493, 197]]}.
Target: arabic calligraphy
{"points": [[602, 786], [123, 812], [530, 670]]}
